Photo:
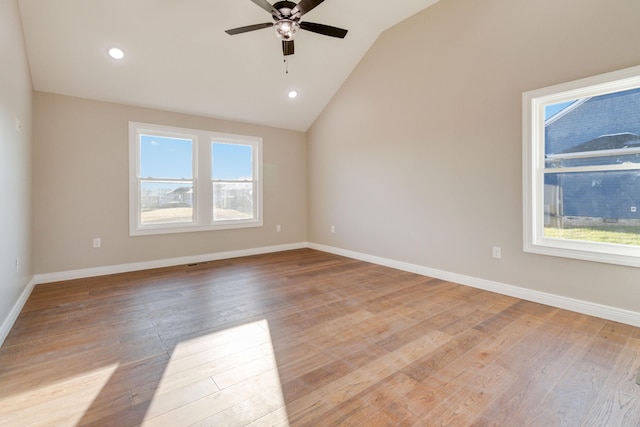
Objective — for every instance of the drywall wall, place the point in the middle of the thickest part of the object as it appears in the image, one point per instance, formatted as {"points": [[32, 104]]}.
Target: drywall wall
{"points": [[15, 165], [418, 158], [81, 187]]}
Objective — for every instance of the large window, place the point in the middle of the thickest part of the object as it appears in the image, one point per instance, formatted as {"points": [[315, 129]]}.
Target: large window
{"points": [[191, 180], [582, 169]]}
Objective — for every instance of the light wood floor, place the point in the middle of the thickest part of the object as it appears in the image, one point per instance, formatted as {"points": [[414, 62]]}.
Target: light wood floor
{"points": [[305, 338]]}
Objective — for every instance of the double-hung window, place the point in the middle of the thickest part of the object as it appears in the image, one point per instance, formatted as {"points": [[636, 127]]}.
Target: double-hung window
{"points": [[192, 180], [582, 169]]}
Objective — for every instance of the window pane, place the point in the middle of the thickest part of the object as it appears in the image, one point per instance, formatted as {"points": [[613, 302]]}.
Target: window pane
{"points": [[232, 200], [162, 157], [593, 206], [592, 129], [166, 202], [231, 162]]}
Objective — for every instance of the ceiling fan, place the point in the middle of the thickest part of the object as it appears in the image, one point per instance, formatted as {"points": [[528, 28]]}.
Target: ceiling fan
{"points": [[286, 15]]}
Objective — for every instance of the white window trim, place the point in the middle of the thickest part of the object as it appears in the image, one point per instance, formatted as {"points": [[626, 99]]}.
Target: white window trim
{"points": [[202, 182], [533, 107]]}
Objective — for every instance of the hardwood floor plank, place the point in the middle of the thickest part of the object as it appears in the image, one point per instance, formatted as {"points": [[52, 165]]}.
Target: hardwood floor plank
{"points": [[206, 407], [618, 402], [523, 400], [322, 400], [164, 401], [572, 398], [396, 414], [426, 396], [475, 390], [426, 366], [276, 418], [365, 404], [416, 330]]}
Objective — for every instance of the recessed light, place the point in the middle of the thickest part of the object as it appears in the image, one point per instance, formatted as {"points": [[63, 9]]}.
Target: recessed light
{"points": [[116, 53], [293, 94]]}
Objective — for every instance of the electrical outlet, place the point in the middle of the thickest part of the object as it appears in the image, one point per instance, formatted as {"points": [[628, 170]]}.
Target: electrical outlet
{"points": [[278, 228], [97, 242], [633, 209], [496, 252], [18, 126], [17, 265], [333, 228]]}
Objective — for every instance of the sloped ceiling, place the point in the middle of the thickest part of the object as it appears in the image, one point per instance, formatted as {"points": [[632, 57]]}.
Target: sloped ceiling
{"points": [[178, 57]]}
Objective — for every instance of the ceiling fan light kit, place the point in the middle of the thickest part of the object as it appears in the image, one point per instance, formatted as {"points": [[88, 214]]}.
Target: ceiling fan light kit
{"points": [[286, 29], [286, 16]]}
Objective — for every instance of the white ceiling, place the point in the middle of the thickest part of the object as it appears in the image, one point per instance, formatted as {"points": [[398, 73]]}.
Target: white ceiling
{"points": [[178, 57]]}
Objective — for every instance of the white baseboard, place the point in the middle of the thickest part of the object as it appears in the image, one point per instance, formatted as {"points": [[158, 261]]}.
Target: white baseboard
{"points": [[8, 322], [169, 262], [592, 309]]}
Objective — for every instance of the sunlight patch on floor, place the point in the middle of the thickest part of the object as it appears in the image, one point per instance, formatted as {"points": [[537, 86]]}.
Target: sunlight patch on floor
{"points": [[63, 403], [228, 377]]}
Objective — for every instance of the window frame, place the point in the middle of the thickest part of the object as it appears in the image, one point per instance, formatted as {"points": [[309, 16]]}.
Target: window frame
{"points": [[533, 109], [202, 142]]}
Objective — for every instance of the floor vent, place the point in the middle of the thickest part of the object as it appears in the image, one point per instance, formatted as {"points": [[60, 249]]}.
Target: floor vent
{"points": [[197, 263]]}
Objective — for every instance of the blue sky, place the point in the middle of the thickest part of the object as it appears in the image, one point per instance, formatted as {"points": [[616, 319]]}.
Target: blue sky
{"points": [[550, 110], [163, 157], [231, 161]]}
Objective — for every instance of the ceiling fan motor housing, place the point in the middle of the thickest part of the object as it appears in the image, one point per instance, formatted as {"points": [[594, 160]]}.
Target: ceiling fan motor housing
{"points": [[285, 8]]}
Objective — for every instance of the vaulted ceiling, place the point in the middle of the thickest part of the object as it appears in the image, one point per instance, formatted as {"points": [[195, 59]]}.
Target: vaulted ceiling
{"points": [[179, 58]]}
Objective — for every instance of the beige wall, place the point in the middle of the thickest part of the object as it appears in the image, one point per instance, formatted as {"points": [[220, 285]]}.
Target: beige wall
{"points": [[418, 158], [15, 161], [81, 187]]}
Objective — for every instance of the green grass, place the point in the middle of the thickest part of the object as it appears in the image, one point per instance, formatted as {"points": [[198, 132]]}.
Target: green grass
{"points": [[620, 234]]}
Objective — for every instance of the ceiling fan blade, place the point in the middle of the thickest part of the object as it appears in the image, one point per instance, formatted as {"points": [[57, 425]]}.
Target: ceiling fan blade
{"points": [[268, 7], [287, 48], [305, 6], [249, 28], [326, 30]]}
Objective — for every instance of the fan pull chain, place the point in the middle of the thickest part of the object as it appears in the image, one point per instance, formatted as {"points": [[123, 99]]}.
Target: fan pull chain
{"points": [[286, 65]]}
